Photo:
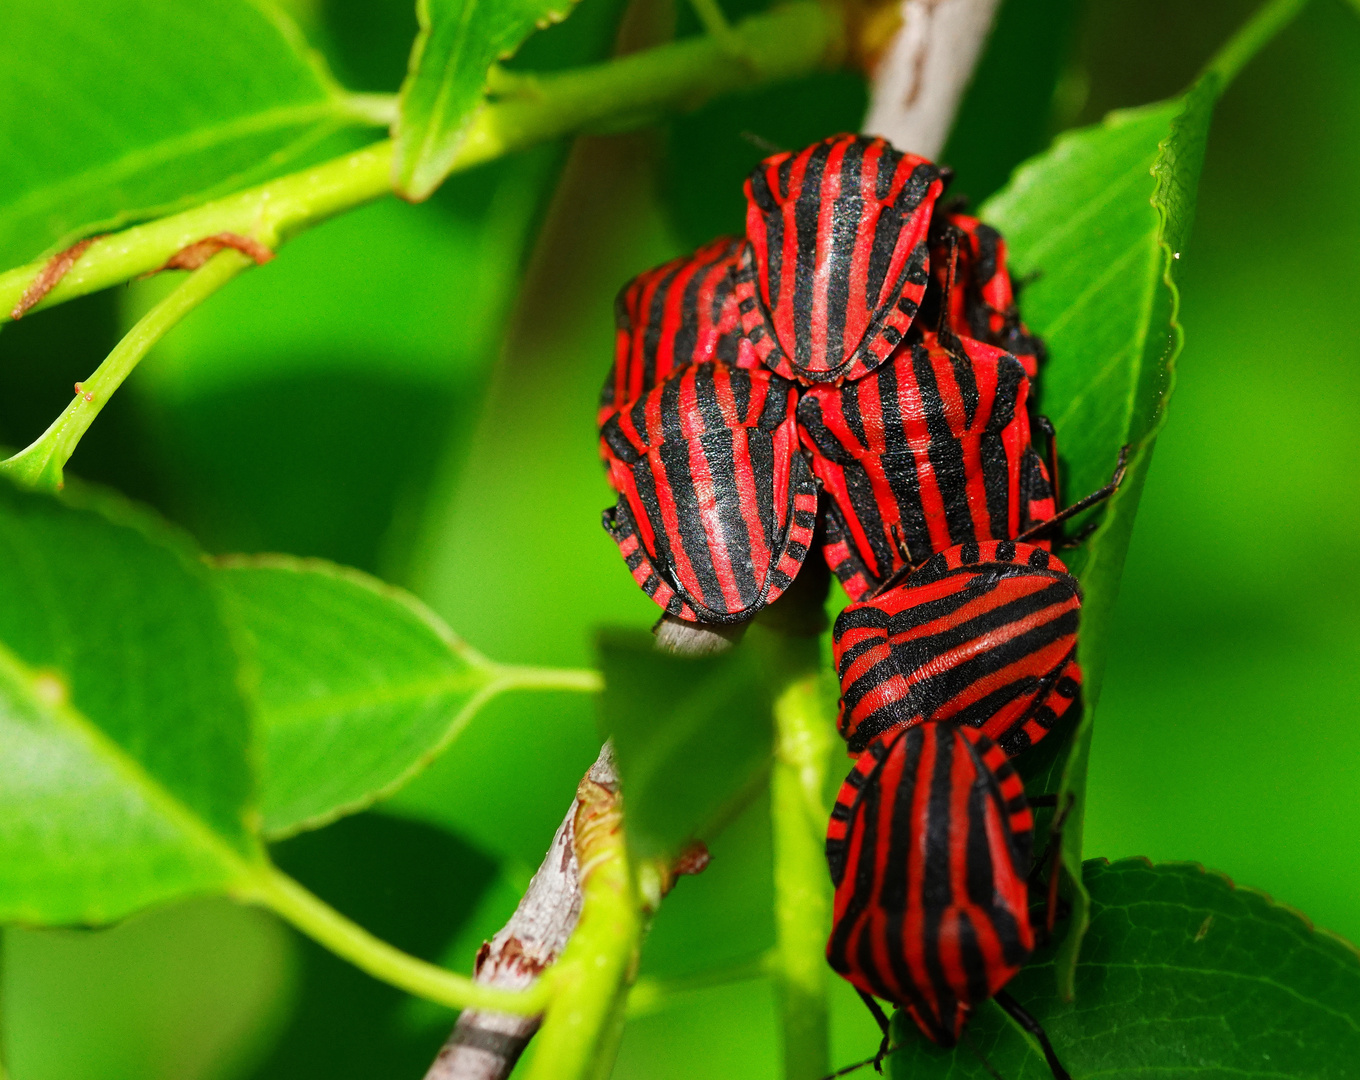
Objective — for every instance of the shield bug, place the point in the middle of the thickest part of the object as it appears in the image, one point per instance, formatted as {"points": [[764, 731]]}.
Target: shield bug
{"points": [[838, 260], [929, 848], [717, 506], [680, 313], [982, 635], [980, 298], [928, 451]]}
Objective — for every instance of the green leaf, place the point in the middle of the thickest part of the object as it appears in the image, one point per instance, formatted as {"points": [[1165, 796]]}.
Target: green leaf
{"points": [[459, 40], [124, 734], [201, 984], [360, 685], [692, 736], [1181, 975], [1102, 218], [112, 111]]}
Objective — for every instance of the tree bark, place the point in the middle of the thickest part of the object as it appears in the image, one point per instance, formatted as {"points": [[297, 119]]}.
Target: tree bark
{"points": [[485, 1045], [922, 75]]}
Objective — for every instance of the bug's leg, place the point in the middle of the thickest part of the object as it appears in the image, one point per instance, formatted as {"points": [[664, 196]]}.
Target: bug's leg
{"points": [[874, 1061], [1082, 504], [883, 1025], [1021, 1017], [1081, 536], [1051, 857], [1050, 433]]}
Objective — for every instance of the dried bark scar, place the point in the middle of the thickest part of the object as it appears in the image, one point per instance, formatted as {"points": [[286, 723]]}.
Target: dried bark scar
{"points": [[200, 251], [58, 266]]}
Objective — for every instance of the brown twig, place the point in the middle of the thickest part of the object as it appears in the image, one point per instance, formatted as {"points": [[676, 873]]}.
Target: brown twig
{"points": [[485, 1045], [922, 75]]}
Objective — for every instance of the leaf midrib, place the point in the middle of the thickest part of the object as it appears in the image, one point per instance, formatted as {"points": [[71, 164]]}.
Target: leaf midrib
{"points": [[106, 749], [444, 91], [311, 708]]}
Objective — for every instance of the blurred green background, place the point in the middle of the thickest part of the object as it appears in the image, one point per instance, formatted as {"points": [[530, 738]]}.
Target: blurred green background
{"points": [[410, 390]]}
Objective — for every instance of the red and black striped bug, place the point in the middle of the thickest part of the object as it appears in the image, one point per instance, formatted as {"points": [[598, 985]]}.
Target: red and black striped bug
{"points": [[680, 313], [838, 261], [929, 848], [978, 292], [981, 635], [717, 506], [930, 450]]}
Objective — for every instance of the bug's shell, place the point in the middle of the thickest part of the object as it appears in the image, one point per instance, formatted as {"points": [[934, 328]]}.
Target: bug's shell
{"points": [[680, 313], [930, 450], [929, 847], [838, 260], [983, 636], [717, 506], [982, 302]]}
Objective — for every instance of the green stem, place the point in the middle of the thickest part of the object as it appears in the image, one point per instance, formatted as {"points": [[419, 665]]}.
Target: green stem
{"points": [[802, 892], [285, 897], [715, 24], [650, 995], [41, 463], [783, 44], [4, 1032], [584, 1019], [268, 213], [1251, 38], [584, 680]]}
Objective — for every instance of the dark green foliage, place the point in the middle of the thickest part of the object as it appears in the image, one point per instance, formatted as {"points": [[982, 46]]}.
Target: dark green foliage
{"points": [[692, 737], [414, 885], [1180, 974]]}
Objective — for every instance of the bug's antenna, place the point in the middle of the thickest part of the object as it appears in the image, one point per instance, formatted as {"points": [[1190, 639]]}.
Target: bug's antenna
{"points": [[1052, 856], [761, 143], [942, 321], [1031, 1025]]}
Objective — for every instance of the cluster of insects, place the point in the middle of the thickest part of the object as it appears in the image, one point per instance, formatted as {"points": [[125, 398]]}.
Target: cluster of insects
{"points": [[853, 375]]}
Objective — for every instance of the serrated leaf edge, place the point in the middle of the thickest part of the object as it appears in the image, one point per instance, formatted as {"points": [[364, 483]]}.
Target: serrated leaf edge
{"points": [[498, 677]]}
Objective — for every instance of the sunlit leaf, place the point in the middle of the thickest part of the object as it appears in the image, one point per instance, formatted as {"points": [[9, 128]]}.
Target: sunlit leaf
{"points": [[359, 685], [114, 110], [125, 774], [1101, 220], [459, 41]]}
